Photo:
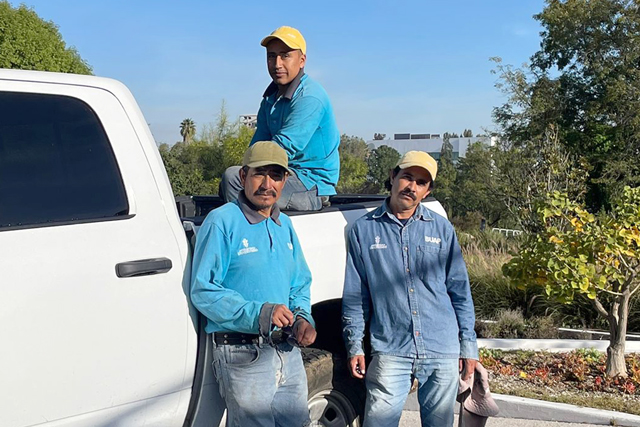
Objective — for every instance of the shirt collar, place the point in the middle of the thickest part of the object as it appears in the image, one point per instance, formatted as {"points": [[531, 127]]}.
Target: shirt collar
{"points": [[421, 212], [293, 86], [252, 215]]}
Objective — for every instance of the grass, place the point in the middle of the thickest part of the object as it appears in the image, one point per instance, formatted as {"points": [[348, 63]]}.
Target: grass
{"points": [[486, 252]]}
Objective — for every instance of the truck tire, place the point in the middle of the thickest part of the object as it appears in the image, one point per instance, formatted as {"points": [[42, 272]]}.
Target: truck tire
{"points": [[335, 398]]}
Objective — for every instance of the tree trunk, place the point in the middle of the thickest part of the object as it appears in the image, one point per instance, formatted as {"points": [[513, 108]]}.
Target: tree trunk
{"points": [[618, 316]]}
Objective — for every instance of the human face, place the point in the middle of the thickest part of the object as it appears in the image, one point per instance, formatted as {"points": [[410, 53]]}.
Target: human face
{"points": [[283, 63], [263, 186], [408, 188]]}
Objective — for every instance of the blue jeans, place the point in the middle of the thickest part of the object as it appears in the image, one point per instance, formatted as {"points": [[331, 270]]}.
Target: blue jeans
{"points": [[388, 381], [294, 196], [263, 386]]}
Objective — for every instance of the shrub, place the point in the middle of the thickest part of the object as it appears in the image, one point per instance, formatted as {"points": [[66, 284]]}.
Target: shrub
{"points": [[508, 324], [512, 324], [541, 327]]}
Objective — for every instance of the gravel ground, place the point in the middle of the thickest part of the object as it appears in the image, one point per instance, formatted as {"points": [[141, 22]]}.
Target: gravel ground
{"points": [[412, 419]]}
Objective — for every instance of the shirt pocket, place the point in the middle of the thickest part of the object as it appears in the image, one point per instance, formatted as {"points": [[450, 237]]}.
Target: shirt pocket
{"points": [[430, 264]]}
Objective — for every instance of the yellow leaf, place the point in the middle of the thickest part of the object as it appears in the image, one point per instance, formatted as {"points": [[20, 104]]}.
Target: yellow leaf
{"points": [[523, 374], [556, 240], [584, 285]]}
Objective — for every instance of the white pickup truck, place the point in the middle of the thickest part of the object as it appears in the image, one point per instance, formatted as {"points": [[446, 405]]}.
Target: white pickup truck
{"points": [[96, 324]]}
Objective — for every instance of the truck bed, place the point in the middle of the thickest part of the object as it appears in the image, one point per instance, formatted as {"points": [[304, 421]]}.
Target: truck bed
{"points": [[196, 208]]}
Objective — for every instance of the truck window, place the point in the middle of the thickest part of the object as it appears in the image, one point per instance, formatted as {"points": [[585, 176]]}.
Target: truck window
{"points": [[56, 163]]}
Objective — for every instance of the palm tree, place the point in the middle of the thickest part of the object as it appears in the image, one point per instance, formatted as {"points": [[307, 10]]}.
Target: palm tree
{"points": [[187, 130]]}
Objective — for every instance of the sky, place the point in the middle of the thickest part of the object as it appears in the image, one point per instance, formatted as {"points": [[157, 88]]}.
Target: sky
{"points": [[403, 66]]}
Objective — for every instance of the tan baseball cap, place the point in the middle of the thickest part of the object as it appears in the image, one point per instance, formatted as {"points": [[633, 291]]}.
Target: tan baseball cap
{"points": [[289, 36], [420, 159], [264, 153]]}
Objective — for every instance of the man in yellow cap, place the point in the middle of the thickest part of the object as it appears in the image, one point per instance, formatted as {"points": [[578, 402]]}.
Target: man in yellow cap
{"points": [[405, 276], [250, 280], [296, 114]]}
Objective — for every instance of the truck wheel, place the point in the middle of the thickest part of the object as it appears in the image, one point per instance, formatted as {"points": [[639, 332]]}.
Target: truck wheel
{"points": [[335, 398]]}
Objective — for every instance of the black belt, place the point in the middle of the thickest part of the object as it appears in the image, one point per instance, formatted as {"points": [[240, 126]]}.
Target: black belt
{"points": [[236, 338]]}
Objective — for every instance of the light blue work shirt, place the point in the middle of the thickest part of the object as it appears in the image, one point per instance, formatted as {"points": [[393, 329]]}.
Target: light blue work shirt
{"points": [[410, 282], [243, 260], [301, 121]]}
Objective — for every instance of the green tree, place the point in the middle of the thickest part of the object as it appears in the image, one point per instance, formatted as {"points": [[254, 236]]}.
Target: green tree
{"points": [[475, 188], [235, 143], [185, 172], [467, 133], [187, 130], [585, 80], [380, 162], [578, 252], [196, 167], [531, 156], [353, 165], [446, 177], [28, 42]]}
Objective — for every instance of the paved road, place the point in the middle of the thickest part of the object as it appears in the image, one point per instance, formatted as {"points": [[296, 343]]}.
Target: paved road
{"points": [[412, 419]]}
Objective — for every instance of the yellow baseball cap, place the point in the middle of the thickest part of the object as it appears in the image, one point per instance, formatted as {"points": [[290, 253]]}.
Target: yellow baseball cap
{"points": [[264, 153], [420, 159], [289, 36]]}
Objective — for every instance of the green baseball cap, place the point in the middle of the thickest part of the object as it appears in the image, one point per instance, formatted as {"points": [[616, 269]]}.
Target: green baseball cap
{"points": [[264, 153]]}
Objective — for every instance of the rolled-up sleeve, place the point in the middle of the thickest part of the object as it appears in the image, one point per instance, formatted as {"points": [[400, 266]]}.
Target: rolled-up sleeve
{"points": [[459, 291], [300, 294]]}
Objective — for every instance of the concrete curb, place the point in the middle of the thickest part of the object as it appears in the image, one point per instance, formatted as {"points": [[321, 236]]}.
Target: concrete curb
{"points": [[540, 410], [558, 345], [532, 409]]}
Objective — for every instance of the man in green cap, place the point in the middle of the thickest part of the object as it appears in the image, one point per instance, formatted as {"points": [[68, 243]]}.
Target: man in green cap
{"points": [[296, 114], [251, 281]]}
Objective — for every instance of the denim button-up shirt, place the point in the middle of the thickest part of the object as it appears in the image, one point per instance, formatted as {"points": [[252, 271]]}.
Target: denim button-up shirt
{"points": [[410, 282]]}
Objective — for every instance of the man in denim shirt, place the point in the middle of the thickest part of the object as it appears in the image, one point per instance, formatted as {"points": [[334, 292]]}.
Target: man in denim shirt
{"points": [[249, 276], [296, 114], [405, 276]]}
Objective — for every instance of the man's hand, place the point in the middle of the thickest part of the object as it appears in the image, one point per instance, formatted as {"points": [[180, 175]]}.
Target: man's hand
{"points": [[467, 368], [356, 366], [304, 332], [282, 316]]}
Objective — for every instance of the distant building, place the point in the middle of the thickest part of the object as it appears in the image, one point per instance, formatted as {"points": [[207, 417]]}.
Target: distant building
{"points": [[249, 120], [431, 143]]}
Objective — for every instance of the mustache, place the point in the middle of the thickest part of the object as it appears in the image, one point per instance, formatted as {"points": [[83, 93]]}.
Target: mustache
{"points": [[408, 193], [265, 193]]}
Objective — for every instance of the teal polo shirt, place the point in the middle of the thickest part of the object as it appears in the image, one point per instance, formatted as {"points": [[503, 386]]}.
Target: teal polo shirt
{"points": [[243, 260], [302, 122]]}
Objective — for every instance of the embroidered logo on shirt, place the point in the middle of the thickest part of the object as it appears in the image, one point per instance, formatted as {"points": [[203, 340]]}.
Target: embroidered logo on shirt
{"points": [[377, 244], [246, 249], [435, 240], [290, 245]]}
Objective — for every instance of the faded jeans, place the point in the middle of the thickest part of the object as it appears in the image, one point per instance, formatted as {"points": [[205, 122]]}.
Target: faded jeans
{"points": [[263, 386], [388, 381], [294, 196]]}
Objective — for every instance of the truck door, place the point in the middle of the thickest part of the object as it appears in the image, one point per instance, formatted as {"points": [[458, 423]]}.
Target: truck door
{"points": [[94, 324]]}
